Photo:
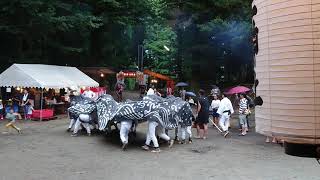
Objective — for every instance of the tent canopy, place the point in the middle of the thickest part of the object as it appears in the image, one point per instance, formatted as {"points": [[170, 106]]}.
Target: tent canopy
{"points": [[44, 76], [157, 75]]}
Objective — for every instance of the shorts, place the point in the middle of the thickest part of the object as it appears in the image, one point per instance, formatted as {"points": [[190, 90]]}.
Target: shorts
{"points": [[203, 118], [243, 120], [214, 113], [197, 124]]}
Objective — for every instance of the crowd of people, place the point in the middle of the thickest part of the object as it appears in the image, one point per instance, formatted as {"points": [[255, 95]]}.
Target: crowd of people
{"points": [[10, 109], [220, 108], [218, 111], [18, 104], [216, 108], [217, 105]]}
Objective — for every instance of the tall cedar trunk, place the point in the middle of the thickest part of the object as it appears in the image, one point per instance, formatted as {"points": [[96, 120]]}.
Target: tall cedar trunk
{"points": [[96, 42], [96, 46], [20, 46], [179, 55]]}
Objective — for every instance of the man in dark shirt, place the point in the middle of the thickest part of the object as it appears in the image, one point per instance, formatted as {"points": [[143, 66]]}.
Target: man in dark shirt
{"points": [[203, 116], [16, 102]]}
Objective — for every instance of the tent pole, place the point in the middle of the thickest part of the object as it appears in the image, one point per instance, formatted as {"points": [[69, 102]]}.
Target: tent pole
{"points": [[41, 104]]}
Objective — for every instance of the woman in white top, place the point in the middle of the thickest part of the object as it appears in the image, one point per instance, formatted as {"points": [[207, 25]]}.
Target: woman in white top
{"points": [[191, 101], [25, 103], [214, 106]]}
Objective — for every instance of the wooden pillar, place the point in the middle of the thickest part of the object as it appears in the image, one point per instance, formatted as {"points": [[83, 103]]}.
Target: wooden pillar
{"points": [[288, 69]]}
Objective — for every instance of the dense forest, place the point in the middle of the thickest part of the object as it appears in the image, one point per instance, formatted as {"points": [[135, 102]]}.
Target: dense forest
{"points": [[203, 41]]}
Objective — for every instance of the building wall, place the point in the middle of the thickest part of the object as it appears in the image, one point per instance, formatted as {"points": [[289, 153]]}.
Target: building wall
{"points": [[288, 69]]}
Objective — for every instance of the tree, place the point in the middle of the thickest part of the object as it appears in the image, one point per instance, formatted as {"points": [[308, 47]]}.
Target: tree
{"points": [[35, 26], [213, 34], [232, 40], [160, 45], [201, 35]]}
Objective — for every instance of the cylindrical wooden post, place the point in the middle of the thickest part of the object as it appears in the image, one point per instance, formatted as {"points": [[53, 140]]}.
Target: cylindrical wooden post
{"points": [[288, 69]]}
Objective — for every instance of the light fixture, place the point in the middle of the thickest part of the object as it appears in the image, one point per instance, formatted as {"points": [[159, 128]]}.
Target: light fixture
{"points": [[101, 75], [154, 81], [166, 48]]}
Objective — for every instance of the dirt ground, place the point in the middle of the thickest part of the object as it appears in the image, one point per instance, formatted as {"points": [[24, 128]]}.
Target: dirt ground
{"points": [[45, 151]]}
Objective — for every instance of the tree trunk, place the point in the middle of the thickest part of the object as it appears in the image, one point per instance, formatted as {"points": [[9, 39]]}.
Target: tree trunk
{"points": [[179, 55], [96, 41], [96, 46]]}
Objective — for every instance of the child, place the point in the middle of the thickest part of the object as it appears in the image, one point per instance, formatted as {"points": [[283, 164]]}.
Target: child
{"points": [[30, 110], [12, 116]]}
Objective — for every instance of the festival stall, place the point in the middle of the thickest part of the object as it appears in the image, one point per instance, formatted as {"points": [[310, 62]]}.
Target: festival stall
{"points": [[44, 77], [98, 91], [156, 76]]}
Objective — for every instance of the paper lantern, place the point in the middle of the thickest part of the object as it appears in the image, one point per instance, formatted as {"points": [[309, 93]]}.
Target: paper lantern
{"points": [[288, 69]]}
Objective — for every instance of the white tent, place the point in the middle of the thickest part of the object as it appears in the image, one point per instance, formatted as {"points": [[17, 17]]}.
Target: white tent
{"points": [[45, 76]]}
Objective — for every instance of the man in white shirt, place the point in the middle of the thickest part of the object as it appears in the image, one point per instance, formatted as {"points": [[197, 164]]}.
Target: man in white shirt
{"points": [[125, 127], [225, 110], [89, 94], [150, 91]]}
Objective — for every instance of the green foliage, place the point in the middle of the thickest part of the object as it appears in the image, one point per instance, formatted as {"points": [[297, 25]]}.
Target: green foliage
{"points": [[17, 16], [225, 9], [214, 33], [107, 33], [158, 38]]}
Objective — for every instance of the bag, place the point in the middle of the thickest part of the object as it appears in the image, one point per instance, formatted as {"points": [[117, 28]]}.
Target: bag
{"points": [[247, 112], [250, 102]]}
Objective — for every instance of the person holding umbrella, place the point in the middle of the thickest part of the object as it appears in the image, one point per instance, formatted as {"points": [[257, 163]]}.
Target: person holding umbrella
{"points": [[182, 91], [243, 107], [190, 99]]}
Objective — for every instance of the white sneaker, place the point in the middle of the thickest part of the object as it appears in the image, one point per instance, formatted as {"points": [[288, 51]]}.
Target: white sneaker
{"points": [[124, 146], [171, 142], [156, 150], [145, 147]]}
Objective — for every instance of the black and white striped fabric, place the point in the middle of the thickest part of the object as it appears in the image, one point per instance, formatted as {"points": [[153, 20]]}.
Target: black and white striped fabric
{"points": [[168, 112], [108, 109], [73, 101], [243, 105], [180, 110], [81, 105]]}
